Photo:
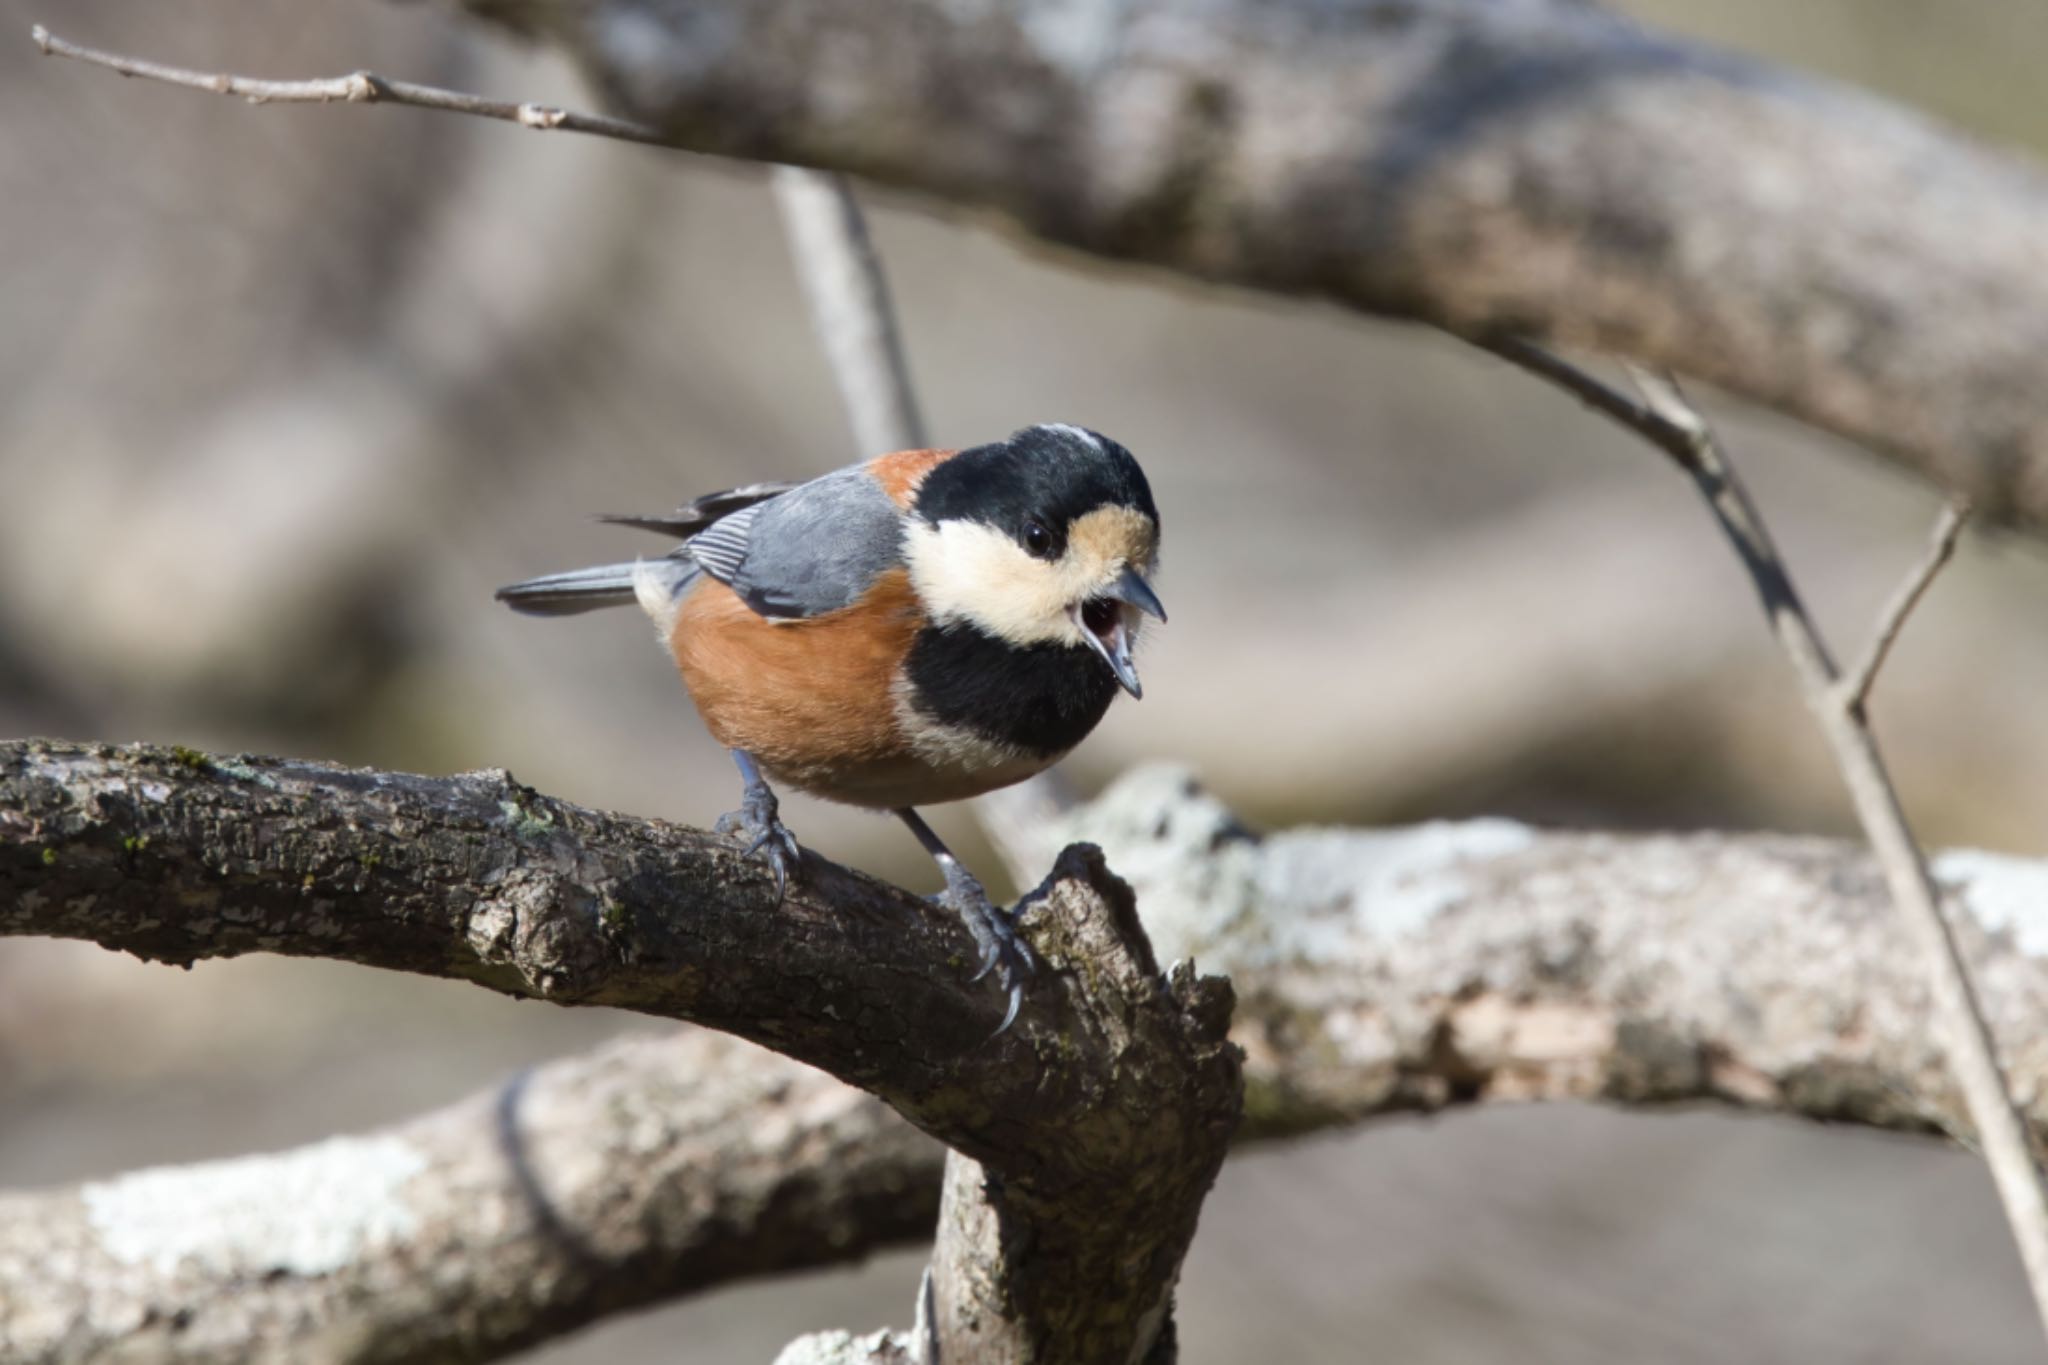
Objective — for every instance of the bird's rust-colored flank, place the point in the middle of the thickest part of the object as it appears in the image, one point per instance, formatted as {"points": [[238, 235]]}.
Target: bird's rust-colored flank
{"points": [[809, 699], [901, 472]]}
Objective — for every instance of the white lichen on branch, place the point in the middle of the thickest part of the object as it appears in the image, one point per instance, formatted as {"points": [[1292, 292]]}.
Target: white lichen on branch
{"points": [[308, 1212]]}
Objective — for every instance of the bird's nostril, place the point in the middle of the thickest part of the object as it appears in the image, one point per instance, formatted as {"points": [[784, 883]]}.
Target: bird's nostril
{"points": [[1100, 615]]}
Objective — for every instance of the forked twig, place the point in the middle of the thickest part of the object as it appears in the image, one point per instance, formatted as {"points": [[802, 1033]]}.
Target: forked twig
{"points": [[1669, 421], [1855, 686], [358, 87]]}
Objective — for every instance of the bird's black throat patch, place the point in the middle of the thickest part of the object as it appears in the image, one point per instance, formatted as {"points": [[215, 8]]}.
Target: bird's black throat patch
{"points": [[1042, 698]]}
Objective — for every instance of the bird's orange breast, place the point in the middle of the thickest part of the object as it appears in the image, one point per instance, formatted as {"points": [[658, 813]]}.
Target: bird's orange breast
{"points": [[812, 700]]}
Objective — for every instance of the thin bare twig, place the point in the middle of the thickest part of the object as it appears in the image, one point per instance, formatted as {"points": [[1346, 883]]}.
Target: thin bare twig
{"points": [[1836, 704], [1855, 686], [1679, 441], [358, 87]]}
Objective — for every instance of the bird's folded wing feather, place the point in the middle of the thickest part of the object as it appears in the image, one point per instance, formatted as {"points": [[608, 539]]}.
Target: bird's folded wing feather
{"points": [[813, 549]]}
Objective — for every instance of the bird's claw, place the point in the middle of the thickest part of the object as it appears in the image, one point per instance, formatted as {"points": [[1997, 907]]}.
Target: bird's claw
{"points": [[759, 821], [1003, 950]]}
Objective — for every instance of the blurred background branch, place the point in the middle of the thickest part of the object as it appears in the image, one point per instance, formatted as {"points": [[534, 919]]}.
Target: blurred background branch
{"points": [[1148, 138], [649, 1168], [1549, 168]]}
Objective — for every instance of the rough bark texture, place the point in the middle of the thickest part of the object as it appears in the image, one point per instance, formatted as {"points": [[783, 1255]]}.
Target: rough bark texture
{"points": [[1539, 166], [1112, 1097], [1378, 971], [652, 1167]]}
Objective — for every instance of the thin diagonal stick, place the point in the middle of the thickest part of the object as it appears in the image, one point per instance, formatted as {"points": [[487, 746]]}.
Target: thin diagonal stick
{"points": [[1856, 686], [1670, 422], [848, 295], [359, 87]]}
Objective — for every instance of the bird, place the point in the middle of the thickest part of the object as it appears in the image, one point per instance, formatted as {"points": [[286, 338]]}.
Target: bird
{"points": [[922, 627]]}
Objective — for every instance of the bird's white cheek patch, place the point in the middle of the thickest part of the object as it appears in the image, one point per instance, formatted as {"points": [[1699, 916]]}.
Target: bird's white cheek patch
{"points": [[964, 570]]}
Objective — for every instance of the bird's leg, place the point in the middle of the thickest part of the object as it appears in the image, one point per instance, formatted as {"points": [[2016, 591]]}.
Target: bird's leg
{"points": [[759, 821], [1003, 951]]}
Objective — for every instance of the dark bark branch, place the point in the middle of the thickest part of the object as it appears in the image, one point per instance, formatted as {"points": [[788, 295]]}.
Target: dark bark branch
{"points": [[1379, 971], [175, 856], [650, 1168]]}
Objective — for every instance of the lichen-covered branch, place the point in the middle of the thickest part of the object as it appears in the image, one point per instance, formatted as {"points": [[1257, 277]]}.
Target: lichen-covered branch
{"points": [[1543, 167], [654, 1166], [175, 856], [1486, 960]]}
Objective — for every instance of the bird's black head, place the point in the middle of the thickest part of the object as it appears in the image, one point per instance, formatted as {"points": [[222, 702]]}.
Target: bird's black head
{"points": [[1048, 537]]}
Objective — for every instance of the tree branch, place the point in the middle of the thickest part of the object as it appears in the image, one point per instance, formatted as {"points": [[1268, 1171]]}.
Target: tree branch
{"points": [[1379, 971], [650, 1168], [1543, 168], [175, 856]]}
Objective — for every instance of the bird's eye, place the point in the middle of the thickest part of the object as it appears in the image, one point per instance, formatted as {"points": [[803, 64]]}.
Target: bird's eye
{"points": [[1037, 539]]}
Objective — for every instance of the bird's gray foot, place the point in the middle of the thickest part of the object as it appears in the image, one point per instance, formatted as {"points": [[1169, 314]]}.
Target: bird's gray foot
{"points": [[759, 822], [1003, 950]]}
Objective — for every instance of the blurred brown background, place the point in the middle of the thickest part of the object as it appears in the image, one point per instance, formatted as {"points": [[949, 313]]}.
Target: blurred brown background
{"points": [[288, 391]]}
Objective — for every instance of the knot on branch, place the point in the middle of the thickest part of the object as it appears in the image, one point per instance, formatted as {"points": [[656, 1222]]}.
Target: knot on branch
{"points": [[529, 920], [1062, 1239]]}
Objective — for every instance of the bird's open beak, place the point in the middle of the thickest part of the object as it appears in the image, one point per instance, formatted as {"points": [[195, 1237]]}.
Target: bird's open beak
{"points": [[1132, 588], [1104, 628]]}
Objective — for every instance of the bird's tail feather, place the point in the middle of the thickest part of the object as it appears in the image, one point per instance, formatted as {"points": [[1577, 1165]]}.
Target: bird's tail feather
{"points": [[578, 590]]}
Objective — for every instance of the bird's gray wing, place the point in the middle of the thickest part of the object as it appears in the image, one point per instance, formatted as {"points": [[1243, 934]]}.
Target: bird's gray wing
{"points": [[813, 549], [729, 512]]}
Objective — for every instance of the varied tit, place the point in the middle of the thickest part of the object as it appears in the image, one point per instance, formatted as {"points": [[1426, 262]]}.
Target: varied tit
{"points": [[927, 626]]}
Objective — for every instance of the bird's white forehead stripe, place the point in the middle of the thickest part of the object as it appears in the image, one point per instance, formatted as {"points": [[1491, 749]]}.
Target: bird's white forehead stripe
{"points": [[1080, 434]]}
